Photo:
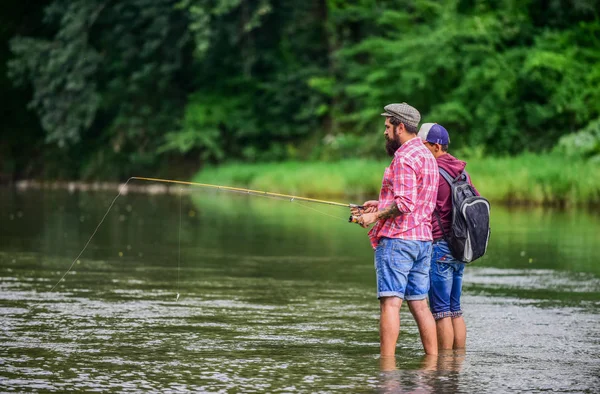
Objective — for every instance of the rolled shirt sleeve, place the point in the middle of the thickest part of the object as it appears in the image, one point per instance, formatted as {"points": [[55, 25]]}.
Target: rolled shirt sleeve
{"points": [[405, 186]]}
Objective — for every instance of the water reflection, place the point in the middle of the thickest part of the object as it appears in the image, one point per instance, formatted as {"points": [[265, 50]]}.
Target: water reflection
{"points": [[433, 374]]}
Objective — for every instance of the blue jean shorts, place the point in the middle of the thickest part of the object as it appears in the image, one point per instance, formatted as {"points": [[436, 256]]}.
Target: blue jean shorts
{"points": [[402, 268], [446, 282]]}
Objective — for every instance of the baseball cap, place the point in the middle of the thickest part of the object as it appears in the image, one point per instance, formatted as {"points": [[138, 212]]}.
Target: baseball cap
{"points": [[406, 113], [434, 133]]}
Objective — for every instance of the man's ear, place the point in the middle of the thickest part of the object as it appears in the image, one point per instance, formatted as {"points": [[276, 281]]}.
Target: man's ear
{"points": [[401, 128]]}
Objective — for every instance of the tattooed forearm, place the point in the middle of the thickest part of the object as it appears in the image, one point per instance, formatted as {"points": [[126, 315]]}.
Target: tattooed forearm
{"points": [[390, 212]]}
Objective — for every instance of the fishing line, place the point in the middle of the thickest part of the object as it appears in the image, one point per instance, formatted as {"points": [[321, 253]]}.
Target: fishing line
{"points": [[179, 248], [296, 199], [345, 219], [94, 233]]}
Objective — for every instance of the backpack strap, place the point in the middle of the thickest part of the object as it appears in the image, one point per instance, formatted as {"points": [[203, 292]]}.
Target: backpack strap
{"points": [[439, 220], [447, 176], [450, 181]]}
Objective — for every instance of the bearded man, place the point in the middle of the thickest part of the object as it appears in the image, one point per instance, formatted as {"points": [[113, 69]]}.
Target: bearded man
{"points": [[402, 237]]}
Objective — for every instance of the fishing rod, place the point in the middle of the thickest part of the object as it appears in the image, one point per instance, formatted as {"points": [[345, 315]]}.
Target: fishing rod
{"points": [[122, 188], [249, 191], [351, 219]]}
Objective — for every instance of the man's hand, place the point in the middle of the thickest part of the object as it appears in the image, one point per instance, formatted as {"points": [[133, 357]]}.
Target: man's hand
{"points": [[367, 219], [367, 207], [356, 211], [371, 206]]}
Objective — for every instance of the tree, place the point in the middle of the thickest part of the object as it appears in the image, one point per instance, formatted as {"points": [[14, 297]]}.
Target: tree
{"points": [[252, 99], [22, 136], [113, 75], [497, 74]]}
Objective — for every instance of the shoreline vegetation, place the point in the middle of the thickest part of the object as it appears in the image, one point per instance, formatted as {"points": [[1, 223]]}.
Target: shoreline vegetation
{"points": [[528, 179]]}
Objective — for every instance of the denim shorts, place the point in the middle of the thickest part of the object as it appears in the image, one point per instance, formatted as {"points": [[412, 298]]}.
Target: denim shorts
{"points": [[446, 282], [402, 268]]}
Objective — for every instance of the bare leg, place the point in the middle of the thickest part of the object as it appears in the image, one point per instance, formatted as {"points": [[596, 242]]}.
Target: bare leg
{"points": [[426, 323], [445, 333], [460, 332], [389, 324]]}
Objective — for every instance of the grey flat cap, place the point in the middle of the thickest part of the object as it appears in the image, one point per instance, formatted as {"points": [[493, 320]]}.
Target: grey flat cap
{"points": [[404, 112]]}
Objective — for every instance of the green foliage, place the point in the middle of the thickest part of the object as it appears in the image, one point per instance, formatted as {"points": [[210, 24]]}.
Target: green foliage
{"points": [[108, 80], [61, 72], [524, 179], [487, 71], [252, 100], [583, 144], [128, 86], [207, 122], [340, 146], [317, 179], [548, 179]]}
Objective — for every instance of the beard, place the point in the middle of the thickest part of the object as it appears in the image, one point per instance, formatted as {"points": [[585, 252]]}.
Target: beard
{"points": [[392, 145]]}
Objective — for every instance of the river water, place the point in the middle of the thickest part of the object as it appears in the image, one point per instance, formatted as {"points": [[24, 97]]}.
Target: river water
{"points": [[275, 296]]}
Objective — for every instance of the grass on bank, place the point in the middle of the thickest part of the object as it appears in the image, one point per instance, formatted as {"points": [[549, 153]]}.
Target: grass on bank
{"points": [[524, 179]]}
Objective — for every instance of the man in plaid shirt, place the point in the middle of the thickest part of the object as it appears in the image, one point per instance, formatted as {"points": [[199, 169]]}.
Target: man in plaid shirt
{"points": [[402, 236]]}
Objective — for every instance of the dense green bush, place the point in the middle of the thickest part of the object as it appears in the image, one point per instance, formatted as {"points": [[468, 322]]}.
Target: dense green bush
{"points": [[123, 87], [584, 144]]}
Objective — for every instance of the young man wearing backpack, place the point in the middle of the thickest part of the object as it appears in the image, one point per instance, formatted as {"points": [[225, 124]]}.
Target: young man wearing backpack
{"points": [[446, 272]]}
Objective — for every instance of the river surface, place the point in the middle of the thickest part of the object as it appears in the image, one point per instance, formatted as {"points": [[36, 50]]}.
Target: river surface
{"points": [[225, 293]]}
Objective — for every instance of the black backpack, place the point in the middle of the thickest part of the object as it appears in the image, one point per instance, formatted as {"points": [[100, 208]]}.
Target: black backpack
{"points": [[470, 230]]}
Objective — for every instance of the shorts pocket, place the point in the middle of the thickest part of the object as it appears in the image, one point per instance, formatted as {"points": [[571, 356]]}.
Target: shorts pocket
{"points": [[403, 254], [442, 254]]}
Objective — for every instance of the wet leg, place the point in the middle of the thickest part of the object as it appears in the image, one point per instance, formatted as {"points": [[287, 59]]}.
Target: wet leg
{"points": [[460, 332], [389, 324], [426, 323], [445, 333]]}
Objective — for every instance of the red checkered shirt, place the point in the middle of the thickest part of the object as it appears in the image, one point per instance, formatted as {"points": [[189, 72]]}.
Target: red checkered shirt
{"points": [[410, 182]]}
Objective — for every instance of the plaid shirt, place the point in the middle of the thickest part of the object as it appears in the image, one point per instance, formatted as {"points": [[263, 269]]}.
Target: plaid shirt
{"points": [[410, 182]]}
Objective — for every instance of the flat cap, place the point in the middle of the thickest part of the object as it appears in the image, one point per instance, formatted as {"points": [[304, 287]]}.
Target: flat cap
{"points": [[406, 113]]}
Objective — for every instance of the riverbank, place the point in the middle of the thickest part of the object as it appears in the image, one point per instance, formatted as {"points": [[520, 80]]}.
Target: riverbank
{"points": [[79, 186], [548, 180], [525, 179]]}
